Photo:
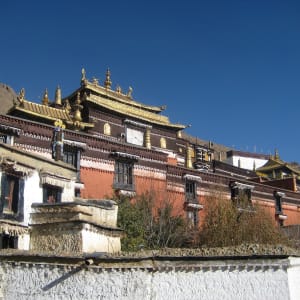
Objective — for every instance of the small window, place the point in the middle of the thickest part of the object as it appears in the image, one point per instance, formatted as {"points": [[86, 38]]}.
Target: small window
{"points": [[10, 193], [278, 202], [51, 194], [241, 195], [190, 191], [6, 139], [8, 241], [123, 175], [70, 155]]}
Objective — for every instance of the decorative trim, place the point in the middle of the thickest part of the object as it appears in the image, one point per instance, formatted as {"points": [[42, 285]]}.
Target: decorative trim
{"points": [[118, 154], [125, 193], [74, 144], [12, 229], [79, 185], [138, 124], [280, 194], [54, 180], [242, 186], [282, 217], [192, 177], [10, 129], [194, 206]]}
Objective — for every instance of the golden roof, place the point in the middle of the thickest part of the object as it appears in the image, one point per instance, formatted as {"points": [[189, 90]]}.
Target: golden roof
{"points": [[43, 111], [124, 104], [51, 113], [132, 111], [276, 163], [120, 97]]}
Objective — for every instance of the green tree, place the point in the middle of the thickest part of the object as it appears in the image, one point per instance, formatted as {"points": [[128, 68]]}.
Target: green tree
{"points": [[149, 225]]}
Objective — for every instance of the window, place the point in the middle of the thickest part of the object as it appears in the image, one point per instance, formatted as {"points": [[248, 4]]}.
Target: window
{"points": [[278, 207], [6, 139], [123, 175], [8, 241], [70, 155], [124, 164], [241, 195], [51, 194], [191, 191], [279, 215], [10, 194]]}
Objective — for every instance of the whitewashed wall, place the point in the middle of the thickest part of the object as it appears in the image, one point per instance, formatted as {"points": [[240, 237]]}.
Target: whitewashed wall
{"points": [[242, 279], [33, 193], [245, 162]]}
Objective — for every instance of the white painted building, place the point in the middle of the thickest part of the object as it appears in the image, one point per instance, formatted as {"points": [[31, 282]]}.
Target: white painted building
{"points": [[246, 160], [26, 179]]}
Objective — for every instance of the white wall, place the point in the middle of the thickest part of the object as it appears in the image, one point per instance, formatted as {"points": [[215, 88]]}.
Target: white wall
{"points": [[33, 193], [214, 280], [245, 162]]}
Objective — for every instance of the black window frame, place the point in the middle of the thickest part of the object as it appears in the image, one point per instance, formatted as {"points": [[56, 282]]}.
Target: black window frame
{"points": [[13, 210], [8, 241], [52, 191], [241, 196], [191, 191], [123, 175]]}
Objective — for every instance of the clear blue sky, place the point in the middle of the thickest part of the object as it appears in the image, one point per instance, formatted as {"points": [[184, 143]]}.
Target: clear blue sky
{"points": [[231, 69]]}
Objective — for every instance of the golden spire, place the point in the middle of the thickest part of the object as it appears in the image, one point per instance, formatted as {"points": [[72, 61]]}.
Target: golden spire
{"points": [[22, 94], [148, 138], [188, 159], [58, 96], [67, 105], [276, 154], [83, 76], [107, 82], [78, 108], [45, 98], [129, 93], [118, 89]]}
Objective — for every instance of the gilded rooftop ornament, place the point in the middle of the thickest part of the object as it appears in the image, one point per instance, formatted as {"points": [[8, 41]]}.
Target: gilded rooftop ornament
{"points": [[83, 75], [78, 108], [107, 82], [58, 96], [67, 105], [45, 98], [95, 81], [22, 94], [129, 93], [118, 89]]}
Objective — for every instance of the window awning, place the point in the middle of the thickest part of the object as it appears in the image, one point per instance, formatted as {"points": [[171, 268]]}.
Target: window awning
{"points": [[55, 181], [192, 177]]}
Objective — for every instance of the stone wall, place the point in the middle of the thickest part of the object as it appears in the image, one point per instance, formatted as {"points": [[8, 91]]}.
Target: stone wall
{"points": [[35, 277]]}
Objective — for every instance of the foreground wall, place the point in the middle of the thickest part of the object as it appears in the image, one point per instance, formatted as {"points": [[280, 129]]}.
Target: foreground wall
{"points": [[164, 278]]}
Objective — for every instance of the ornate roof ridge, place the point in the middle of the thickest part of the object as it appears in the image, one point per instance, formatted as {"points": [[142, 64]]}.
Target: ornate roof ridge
{"points": [[133, 111], [118, 96], [48, 112]]}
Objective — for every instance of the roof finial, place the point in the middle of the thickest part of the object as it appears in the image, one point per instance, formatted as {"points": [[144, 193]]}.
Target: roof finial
{"points": [[107, 82], [119, 89], [83, 75], [45, 98], [276, 154], [22, 94], [78, 108], [58, 96], [129, 93]]}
